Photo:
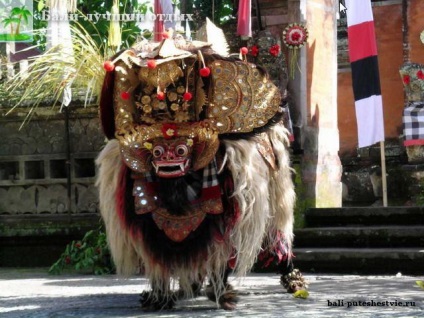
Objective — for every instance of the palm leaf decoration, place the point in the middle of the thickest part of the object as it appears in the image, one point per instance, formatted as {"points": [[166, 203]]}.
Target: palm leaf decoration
{"points": [[47, 76]]}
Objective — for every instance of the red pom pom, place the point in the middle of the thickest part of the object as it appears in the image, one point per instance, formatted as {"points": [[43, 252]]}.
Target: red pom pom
{"points": [[205, 71], [187, 96], [160, 95], [244, 50], [108, 66], [151, 64], [125, 95]]}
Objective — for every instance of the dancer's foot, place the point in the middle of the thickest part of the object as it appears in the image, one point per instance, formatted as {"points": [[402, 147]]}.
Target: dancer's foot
{"points": [[150, 302], [228, 300], [293, 281]]}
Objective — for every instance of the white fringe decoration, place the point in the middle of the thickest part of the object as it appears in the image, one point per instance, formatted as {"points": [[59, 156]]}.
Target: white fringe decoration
{"points": [[266, 197], [251, 191], [282, 194]]}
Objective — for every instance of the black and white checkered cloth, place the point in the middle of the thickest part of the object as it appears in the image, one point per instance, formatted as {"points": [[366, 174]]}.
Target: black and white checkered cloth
{"points": [[413, 124], [210, 175]]}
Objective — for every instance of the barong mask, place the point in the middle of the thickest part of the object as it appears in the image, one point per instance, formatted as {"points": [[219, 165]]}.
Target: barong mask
{"points": [[172, 100]]}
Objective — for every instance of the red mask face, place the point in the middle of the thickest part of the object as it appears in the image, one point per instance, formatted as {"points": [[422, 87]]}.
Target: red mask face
{"points": [[171, 158]]}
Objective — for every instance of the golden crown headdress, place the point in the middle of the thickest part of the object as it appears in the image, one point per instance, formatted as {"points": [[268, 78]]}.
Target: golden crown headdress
{"points": [[178, 88]]}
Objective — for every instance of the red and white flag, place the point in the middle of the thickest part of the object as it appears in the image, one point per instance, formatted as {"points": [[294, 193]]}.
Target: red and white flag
{"points": [[365, 73]]}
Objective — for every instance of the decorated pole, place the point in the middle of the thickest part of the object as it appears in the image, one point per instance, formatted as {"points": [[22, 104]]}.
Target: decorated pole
{"points": [[114, 37], [59, 34], [366, 79], [158, 26], [244, 22]]}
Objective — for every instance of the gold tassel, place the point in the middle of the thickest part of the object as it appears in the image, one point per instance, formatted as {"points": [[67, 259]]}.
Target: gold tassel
{"points": [[293, 62], [114, 38]]}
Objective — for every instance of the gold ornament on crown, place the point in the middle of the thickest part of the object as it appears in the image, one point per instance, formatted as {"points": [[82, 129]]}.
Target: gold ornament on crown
{"points": [[153, 91]]}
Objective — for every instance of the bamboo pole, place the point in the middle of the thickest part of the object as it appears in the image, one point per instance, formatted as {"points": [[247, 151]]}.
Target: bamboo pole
{"points": [[383, 172], [68, 160]]}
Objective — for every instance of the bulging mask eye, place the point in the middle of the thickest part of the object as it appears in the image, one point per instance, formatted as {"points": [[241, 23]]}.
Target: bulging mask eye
{"points": [[181, 150], [158, 151]]}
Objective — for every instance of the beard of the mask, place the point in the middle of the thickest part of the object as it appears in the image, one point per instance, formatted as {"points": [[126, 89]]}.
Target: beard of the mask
{"points": [[175, 192]]}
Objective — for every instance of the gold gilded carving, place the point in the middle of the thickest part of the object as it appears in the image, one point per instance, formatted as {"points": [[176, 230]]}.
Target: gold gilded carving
{"points": [[178, 227], [162, 75], [133, 141], [241, 97], [265, 149], [124, 108]]}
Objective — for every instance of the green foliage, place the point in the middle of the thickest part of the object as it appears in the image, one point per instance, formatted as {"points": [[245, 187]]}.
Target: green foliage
{"points": [[419, 199], [218, 11], [302, 203], [98, 30], [39, 25], [90, 254]]}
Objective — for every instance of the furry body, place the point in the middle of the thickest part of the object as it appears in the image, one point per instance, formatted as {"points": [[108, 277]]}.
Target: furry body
{"points": [[257, 202]]}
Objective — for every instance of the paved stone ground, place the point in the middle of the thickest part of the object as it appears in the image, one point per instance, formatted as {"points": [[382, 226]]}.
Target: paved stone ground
{"points": [[35, 294]]}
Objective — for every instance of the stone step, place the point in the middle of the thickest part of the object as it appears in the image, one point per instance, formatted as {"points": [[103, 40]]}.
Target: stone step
{"points": [[361, 236], [408, 261], [363, 216], [24, 225], [39, 240]]}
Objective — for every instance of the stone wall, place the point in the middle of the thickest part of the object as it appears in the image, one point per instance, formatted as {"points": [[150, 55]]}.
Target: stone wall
{"points": [[34, 163], [362, 178]]}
